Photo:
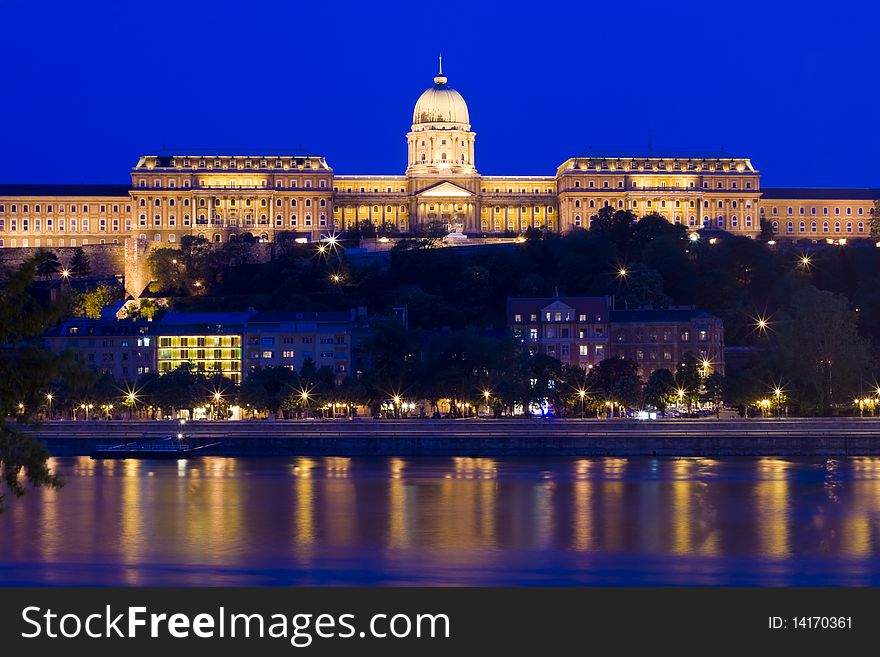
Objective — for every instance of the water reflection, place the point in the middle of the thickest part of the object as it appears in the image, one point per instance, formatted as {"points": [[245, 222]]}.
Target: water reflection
{"points": [[449, 521]]}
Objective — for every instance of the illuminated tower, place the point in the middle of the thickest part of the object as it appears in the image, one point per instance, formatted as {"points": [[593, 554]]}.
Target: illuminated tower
{"points": [[441, 142]]}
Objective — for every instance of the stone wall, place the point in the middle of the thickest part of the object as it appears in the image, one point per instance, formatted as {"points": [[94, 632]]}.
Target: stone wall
{"points": [[105, 259], [129, 259]]}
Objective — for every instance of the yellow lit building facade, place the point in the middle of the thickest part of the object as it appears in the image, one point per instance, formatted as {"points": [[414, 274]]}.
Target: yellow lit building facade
{"points": [[223, 195], [208, 342]]}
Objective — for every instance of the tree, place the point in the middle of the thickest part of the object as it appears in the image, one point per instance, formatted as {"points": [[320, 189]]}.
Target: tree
{"points": [[25, 374], [660, 389], [269, 388], [615, 225], [687, 379], [181, 388], [714, 390], [47, 264], [90, 303], [615, 380], [819, 349], [767, 233], [875, 220], [80, 264]]}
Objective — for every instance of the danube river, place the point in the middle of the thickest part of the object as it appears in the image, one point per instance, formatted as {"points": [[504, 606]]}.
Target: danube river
{"points": [[449, 521]]}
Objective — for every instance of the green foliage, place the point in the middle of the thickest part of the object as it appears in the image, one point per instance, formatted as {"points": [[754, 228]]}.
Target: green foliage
{"points": [[89, 303], [269, 388], [687, 378], [615, 380], [25, 376], [817, 348], [660, 389], [80, 264], [47, 263], [875, 220], [181, 388]]}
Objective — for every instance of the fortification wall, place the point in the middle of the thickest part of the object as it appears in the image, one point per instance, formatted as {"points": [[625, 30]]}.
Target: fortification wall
{"points": [[105, 259]]}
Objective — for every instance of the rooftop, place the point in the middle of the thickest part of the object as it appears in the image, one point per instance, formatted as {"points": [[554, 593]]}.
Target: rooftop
{"points": [[64, 190], [658, 315], [179, 318], [659, 155], [821, 193]]}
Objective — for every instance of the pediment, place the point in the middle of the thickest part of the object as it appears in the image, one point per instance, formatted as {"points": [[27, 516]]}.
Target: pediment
{"points": [[557, 306], [445, 189]]}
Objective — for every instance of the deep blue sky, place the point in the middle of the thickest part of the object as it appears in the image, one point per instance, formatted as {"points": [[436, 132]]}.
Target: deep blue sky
{"points": [[94, 84]]}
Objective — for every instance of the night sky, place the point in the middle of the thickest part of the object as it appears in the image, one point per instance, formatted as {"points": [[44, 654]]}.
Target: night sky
{"points": [[89, 86]]}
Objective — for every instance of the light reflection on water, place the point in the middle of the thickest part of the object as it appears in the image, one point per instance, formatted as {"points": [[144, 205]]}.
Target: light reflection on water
{"points": [[458, 521]]}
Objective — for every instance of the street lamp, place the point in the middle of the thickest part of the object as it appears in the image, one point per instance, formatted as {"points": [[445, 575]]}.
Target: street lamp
{"points": [[777, 394], [49, 401]]}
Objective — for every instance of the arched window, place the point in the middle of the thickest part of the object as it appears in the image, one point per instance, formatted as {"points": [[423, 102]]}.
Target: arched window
{"points": [[143, 202], [577, 203]]}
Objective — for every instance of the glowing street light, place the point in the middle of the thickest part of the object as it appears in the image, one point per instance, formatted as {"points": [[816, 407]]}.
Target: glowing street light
{"points": [[805, 261], [762, 324], [583, 396], [65, 274], [622, 272]]}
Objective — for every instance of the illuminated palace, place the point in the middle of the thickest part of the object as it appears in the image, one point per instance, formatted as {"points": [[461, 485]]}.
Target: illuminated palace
{"points": [[222, 195]]}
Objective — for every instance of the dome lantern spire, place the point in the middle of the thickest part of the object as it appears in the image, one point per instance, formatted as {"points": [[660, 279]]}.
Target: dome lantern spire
{"points": [[440, 79]]}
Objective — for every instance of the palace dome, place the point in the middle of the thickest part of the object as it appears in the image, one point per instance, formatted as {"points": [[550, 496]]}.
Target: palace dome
{"points": [[440, 104]]}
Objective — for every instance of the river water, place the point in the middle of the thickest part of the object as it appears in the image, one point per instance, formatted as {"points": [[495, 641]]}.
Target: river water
{"points": [[449, 521]]}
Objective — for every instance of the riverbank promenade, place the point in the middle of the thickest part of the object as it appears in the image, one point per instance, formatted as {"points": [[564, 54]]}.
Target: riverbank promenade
{"points": [[487, 437]]}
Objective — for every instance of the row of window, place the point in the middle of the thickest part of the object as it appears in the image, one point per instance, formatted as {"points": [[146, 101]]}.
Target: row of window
{"points": [[84, 209], [559, 316], [634, 184], [242, 163], [230, 202], [246, 183], [650, 203], [661, 166], [801, 210], [268, 353], [802, 227], [13, 242]]}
